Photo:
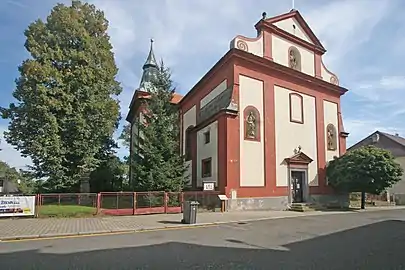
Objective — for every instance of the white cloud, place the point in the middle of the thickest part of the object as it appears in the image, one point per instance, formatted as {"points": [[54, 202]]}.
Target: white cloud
{"points": [[393, 82], [379, 107], [345, 25], [361, 128], [16, 3], [386, 83], [386, 89], [192, 35], [187, 32]]}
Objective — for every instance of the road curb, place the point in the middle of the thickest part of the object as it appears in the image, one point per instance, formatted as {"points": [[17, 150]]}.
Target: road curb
{"points": [[101, 233], [51, 236]]}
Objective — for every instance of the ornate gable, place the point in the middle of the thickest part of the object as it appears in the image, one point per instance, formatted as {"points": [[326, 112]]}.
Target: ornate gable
{"points": [[294, 24], [299, 158], [290, 27]]}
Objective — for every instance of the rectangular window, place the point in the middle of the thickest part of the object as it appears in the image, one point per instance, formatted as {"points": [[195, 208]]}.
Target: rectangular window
{"points": [[206, 168], [1, 183], [296, 108], [207, 137], [188, 143]]}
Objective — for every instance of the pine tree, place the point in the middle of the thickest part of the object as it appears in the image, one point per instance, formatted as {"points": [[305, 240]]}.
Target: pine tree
{"points": [[159, 166]]}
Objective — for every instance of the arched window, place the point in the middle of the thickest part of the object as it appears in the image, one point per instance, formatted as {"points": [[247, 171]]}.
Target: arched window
{"points": [[331, 138], [188, 138], [294, 58], [251, 123]]}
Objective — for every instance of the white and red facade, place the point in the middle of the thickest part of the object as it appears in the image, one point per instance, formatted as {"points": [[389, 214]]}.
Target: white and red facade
{"points": [[293, 108]]}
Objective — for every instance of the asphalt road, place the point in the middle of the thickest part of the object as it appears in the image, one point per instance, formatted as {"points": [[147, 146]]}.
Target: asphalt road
{"points": [[373, 240]]}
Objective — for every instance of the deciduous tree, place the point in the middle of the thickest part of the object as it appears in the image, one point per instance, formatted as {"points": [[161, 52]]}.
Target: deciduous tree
{"points": [[126, 135], [367, 170], [65, 109], [111, 175]]}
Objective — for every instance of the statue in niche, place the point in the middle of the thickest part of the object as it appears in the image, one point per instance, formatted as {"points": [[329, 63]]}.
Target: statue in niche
{"points": [[294, 59], [331, 139], [251, 127]]}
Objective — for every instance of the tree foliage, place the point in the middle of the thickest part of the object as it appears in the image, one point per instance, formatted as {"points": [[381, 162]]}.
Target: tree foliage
{"points": [[367, 169], [22, 180], [159, 166], [111, 175], [66, 111], [126, 135]]}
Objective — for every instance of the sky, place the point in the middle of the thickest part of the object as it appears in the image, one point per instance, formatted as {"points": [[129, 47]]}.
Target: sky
{"points": [[364, 39]]}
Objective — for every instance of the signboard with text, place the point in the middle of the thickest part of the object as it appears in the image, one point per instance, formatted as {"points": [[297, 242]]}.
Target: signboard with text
{"points": [[17, 206], [209, 186]]}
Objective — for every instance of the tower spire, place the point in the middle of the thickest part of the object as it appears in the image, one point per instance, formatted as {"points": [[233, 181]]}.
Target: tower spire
{"points": [[150, 68], [151, 60]]}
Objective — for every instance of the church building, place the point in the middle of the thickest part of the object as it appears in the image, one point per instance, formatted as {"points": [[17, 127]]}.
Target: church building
{"points": [[264, 121]]}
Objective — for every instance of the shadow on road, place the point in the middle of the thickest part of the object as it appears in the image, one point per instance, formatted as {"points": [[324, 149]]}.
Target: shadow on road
{"points": [[376, 246], [170, 222]]}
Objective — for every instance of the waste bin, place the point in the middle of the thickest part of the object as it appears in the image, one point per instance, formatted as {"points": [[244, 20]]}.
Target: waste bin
{"points": [[190, 212]]}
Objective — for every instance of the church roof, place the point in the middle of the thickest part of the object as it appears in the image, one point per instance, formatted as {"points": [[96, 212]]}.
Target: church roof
{"points": [[366, 141], [150, 68]]}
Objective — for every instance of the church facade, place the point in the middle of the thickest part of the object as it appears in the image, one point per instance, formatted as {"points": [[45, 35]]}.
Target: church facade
{"points": [[264, 121]]}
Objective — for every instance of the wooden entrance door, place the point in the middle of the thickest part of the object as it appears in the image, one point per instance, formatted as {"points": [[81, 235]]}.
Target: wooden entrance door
{"points": [[297, 186]]}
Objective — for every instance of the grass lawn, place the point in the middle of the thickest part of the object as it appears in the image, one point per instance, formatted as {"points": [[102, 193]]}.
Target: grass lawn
{"points": [[63, 211]]}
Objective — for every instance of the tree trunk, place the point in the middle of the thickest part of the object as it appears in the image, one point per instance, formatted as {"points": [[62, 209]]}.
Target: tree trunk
{"points": [[85, 182], [363, 200]]}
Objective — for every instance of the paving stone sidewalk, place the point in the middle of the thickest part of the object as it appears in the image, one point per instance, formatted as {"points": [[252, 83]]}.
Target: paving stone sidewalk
{"points": [[36, 228]]}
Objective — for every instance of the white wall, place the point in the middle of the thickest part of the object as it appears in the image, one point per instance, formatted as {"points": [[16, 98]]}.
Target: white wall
{"points": [[330, 117], [251, 152], [399, 187], [287, 25], [189, 119], [280, 48], [213, 93], [209, 150], [254, 46], [326, 74], [291, 135]]}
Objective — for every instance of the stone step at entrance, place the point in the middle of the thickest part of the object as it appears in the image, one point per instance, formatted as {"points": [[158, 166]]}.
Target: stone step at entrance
{"points": [[303, 207]]}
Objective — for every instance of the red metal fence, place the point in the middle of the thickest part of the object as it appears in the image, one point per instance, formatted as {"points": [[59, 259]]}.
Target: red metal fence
{"points": [[135, 203], [123, 203]]}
